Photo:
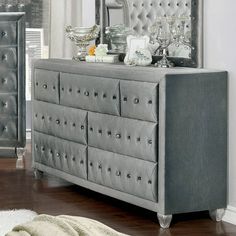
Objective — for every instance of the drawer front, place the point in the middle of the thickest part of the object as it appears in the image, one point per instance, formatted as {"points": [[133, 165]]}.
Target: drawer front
{"points": [[8, 104], [60, 121], [8, 57], [63, 155], [122, 135], [7, 33], [46, 85], [90, 93], [123, 173], [139, 100], [8, 128], [8, 81]]}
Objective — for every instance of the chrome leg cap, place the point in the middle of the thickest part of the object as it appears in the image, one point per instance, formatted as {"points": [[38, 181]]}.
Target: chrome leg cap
{"points": [[217, 215], [164, 220]]}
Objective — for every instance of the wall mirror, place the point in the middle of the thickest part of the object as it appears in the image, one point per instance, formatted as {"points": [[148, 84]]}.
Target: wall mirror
{"points": [[179, 21]]}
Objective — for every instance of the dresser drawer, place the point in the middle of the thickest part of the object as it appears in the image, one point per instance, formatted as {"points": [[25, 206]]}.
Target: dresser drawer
{"points": [[8, 128], [122, 135], [46, 85], [7, 33], [60, 121], [57, 153], [90, 93], [139, 100], [8, 81], [8, 57], [8, 104], [123, 173]]}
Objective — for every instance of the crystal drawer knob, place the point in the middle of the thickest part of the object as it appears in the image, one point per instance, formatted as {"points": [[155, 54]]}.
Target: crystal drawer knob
{"points": [[118, 136], [45, 86], [136, 100]]}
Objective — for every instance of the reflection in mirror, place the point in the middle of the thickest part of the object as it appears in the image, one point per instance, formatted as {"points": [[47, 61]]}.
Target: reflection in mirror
{"points": [[174, 27]]}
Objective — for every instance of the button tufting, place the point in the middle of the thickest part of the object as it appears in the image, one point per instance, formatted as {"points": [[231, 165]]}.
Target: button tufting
{"points": [[65, 123], [81, 162], [65, 156], [43, 117], [150, 141], [4, 81], [36, 115], [86, 93], [58, 154], [100, 166], [37, 83], [138, 139], [139, 178], [109, 169], [70, 90], [58, 121], [50, 118], [4, 57], [82, 127], [91, 164], [78, 91], [149, 182], [104, 95], [73, 158], [100, 131], [54, 87], [73, 125], [150, 102], [45, 86], [109, 133], [125, 99], [118, 173], [136, 100], [3, 33], [129, 137], [62, 89], [43, 149], [118, 136], [91, 129], [128, 176], [95, 94]]}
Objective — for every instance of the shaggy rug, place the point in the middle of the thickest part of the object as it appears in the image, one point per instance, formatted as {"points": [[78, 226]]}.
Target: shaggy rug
{"points": [[9, 219]]}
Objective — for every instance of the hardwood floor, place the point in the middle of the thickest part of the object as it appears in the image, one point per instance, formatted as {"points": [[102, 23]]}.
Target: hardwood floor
{"points": [[18, 189]]}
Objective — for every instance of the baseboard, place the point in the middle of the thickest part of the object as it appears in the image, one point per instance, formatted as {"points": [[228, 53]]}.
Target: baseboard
{"points": [[28, 134], [230, 215]]}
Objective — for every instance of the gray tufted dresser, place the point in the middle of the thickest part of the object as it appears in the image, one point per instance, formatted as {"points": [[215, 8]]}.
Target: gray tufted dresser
{"points": [[12, 85], [156, 138]]}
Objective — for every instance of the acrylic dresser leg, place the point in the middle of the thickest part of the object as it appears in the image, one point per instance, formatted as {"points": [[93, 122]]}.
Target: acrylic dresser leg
{"points": [[38, 174], [217, 215], [164, 220], [20, 152]]}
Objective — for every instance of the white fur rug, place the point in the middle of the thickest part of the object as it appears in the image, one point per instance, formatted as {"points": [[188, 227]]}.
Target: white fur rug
{"points": [[9, 219]]}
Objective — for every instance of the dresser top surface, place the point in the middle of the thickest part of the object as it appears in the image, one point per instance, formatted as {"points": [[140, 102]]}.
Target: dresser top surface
{"points": [[116, 71]]}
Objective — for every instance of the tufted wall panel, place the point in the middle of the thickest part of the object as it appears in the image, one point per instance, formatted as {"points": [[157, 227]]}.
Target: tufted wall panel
{"points": [[125, 136], [139, 100], [60, 121], [123, 173], [90, 93], [46, 86], [66, 156]]}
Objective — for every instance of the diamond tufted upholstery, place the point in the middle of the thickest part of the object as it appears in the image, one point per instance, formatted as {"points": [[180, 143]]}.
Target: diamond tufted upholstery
{"points": [[122, 173], [141, 14], [12, 79], [133, 133]]}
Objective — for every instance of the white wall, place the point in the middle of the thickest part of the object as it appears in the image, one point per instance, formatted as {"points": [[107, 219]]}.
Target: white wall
{"points": [[220, 53]]}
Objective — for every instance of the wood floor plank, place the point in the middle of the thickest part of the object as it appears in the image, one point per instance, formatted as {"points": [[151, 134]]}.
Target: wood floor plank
{"points": [[19, 189]]}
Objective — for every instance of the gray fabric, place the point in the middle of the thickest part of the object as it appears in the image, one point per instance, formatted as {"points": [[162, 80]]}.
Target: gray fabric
{"points": [[125, 136], [12, 82], [8, 82], [90, 93], [60, 121], [63, 155], [139, 100], [8, 104], [46, 86], [123, 173]]}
